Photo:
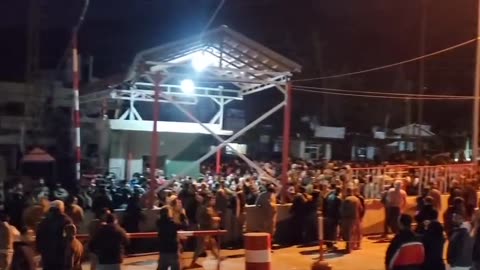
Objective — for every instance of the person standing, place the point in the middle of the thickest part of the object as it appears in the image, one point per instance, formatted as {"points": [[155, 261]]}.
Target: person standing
{"points": [[267, 203], [457, 208], [471, 199], [23, 253], [50, 237], [395, 201], [312, 217], [383, 200], [207, 220], [298, 216], [476, 246], [424, 215], [109, 243], [433, 242], [168, 246], [74, 249], [93, 227], [436, 197], [357, 232], [221, 204], [8, 233], [331, 214], [460, 245], [15, 206], [350, 211], [405, 251], [74, 211]]}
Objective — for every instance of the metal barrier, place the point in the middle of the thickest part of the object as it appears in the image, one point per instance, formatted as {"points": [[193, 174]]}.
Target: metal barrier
{"points": [[442, 175], [149, 235]]}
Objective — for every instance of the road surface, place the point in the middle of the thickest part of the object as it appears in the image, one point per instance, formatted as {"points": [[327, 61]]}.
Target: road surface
{"points": [[370, 257]]}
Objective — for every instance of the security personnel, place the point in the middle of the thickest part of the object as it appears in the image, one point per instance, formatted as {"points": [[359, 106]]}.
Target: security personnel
{"points": [[350, 212], [267, 203], [331, 214]]}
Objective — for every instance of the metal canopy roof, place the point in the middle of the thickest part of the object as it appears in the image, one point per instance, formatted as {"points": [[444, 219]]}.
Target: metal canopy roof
{"points": [[234, 50], [239, 66]]}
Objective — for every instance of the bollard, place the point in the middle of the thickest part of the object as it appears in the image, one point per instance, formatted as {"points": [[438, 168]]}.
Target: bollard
{"points": [[320, 264], [258, 251], [320, 238]]}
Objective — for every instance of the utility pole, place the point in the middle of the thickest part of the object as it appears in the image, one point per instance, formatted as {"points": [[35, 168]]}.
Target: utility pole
{"points": [[476, 104], [421, 75]]}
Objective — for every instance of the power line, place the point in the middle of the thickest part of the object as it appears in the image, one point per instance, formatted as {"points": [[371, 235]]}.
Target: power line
{"points": [[463, 98], [75, 28], [390, 65], [386, 93], [213, 17]]}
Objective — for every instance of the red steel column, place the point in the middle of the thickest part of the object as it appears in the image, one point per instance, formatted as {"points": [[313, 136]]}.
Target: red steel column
{"points": [[155, 138], [218, 168], [286, 136], [76, 102]]}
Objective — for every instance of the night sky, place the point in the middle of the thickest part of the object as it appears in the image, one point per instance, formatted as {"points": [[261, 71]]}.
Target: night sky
{"points": [[326, 37]]}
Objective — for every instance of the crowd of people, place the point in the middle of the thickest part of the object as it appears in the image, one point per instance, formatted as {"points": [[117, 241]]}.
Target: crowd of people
{"points": [[421, 247], [215, 201]]}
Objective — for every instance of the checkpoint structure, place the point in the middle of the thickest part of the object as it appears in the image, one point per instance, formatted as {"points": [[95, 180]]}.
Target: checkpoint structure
{"points": [[140, 108]]}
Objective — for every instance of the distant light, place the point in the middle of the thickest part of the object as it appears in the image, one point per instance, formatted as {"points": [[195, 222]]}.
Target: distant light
{"points": [[201, 61], [187, 86], [456, 160]]}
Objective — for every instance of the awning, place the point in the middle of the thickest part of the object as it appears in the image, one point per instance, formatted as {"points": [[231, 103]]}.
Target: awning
{"points": [[414, 130], [37, 155]]}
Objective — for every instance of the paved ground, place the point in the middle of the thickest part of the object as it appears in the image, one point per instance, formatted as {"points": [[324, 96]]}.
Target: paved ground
{"points": [[370, 257]]}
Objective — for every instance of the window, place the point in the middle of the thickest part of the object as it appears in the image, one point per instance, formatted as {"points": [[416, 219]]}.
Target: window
{"points": [[13, 109]]}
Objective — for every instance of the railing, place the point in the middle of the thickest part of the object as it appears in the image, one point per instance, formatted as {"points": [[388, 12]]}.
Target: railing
{"points": [[443, 175], [149, 235]]}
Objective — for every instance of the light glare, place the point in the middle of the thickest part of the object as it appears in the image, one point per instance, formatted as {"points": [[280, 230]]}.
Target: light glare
{"points": [[201, 61], [187, 86]]}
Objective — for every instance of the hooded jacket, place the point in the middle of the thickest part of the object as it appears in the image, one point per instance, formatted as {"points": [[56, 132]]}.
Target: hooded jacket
{"points": [[460, 247], [405, 252]]}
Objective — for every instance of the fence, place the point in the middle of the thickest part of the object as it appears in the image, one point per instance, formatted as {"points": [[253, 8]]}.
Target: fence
{"points": [[415, 178]]}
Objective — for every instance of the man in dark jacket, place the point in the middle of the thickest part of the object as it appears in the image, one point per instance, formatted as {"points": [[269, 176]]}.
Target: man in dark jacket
{"points": [[167, 242], [109, 244], [433, 242], [457, 208], [23, 254], [460, 245], [331, 214], [405, 252], [455, 191], [298, 216], [50, 237], [424, 214]]}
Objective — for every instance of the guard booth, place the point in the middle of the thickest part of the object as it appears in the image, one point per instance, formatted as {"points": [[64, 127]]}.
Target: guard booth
{"points": [[171, 103]]}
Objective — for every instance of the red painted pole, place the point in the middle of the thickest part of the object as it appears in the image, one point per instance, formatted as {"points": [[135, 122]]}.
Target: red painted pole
{"points": [[286, 136], [155, 142], [76, 102], [218, 169]]}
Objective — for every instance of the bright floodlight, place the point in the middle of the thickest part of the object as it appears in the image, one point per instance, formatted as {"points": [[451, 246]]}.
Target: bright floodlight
{"points": [[201, 61], [187, 86]]}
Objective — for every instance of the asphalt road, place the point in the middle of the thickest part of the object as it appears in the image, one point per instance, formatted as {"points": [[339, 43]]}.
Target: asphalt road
{"points": [[370, 257]]}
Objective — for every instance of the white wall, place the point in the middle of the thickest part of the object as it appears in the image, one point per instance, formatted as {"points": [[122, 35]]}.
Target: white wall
{"points": [[138, 144]]}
